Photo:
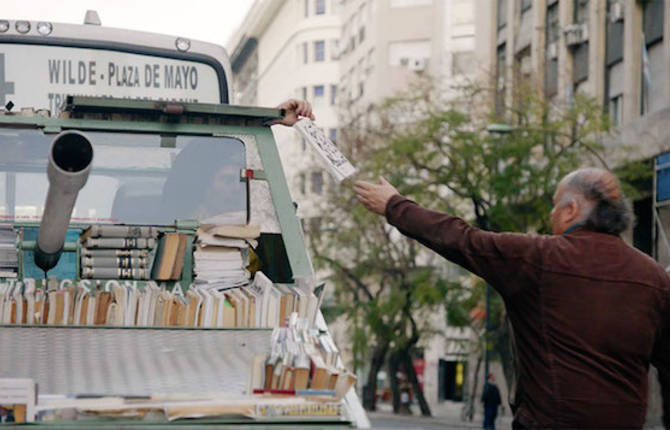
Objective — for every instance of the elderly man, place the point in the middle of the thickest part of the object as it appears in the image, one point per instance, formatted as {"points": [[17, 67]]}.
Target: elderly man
{"points": [[589, 312]]}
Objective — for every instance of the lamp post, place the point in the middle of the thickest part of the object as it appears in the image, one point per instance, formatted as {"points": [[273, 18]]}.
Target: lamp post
{"points": [[494, 129]]}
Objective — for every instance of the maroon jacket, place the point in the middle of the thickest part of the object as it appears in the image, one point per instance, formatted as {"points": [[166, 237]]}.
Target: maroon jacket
{"points": [[589, 313]]}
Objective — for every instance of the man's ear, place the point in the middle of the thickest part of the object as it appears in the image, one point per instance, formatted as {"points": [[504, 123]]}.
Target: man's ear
{"points": [[571, 212]]}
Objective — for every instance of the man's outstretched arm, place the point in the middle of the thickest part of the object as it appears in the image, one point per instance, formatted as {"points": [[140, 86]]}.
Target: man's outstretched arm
{"points": [[506, 261]]}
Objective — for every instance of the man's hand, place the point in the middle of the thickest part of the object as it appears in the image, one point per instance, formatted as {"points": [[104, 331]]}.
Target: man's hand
{"points": [[294, 108], [375, 197]]}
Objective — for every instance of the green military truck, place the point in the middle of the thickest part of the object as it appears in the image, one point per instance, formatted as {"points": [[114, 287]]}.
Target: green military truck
{"points": [[161, 349]]}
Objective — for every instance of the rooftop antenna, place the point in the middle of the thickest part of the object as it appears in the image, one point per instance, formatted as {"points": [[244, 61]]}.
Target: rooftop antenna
{"points": [[92, 18]]}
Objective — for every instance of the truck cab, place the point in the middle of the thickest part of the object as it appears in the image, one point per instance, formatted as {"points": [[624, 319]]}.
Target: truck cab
{"points": [[176, 168]]}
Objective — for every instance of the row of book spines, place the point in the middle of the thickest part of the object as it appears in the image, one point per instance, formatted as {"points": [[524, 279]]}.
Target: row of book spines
{"points": [[114, 253], [174, 313], [301, 378], [116, 243], [139, 274], [115, 262], [120, 231]]}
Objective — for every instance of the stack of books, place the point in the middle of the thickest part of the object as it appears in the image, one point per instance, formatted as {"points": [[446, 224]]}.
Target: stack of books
{"points": [[222, 255], [117, 251], [302, 359], [9, 261]]}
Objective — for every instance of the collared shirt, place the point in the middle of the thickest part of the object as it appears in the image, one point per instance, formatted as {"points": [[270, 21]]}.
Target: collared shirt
{"points": [[589, 314]]}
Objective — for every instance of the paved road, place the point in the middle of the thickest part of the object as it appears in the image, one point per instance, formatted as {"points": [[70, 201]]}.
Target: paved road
{"points": [[389, 421]]}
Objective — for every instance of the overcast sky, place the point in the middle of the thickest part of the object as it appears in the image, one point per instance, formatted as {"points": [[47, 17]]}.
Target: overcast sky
{"points": [[207, 20]]}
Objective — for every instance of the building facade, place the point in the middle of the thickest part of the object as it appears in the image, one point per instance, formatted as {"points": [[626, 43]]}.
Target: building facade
{"points": [[613, 50]]}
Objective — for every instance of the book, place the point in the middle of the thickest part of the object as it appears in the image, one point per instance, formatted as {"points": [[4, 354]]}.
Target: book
{"points": [[103, 300], [179, 258], [114, 262], [114, 273], [246, 231], [122, 231], [166, 255], [120, 242], [112, 253]]}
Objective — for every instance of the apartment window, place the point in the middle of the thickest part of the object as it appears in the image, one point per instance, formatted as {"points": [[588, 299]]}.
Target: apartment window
{"points": [[502, 13], [305, 53], [306, 8], [318, 92], [332, 133], [654, 11], [580, 58], [320, 7], [616, 110], [552, 34], [304, 93], [500, 79], [333, 94], [553, 28], [361, 35], [319, 50], [580, 10], [614, 49], [302, 183], [317, 183]]}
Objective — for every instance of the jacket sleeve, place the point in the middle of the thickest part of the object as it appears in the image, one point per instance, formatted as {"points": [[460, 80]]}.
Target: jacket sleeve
{"points": [[661, 360], [507, 261]]}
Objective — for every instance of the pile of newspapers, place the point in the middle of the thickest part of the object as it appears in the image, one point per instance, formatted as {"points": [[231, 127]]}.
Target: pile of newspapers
{"points": [[221, 255]]}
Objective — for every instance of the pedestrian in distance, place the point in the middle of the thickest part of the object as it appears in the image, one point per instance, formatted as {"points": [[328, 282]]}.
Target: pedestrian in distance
{"points": [[491, 401], [589, 312]]}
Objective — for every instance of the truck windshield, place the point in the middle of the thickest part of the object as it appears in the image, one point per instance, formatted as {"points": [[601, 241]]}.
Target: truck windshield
{"points": [[135, 179]]}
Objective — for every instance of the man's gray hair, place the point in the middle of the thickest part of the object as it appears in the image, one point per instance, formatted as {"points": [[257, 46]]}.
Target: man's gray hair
{"points": [[598, 193]]}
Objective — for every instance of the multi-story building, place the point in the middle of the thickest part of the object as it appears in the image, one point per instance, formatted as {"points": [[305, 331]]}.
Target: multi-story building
{"points": [[612, 50], [385, 44]]}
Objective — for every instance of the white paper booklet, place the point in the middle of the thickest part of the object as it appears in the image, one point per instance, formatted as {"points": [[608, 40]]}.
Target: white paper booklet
{"points": [[335, 161]]}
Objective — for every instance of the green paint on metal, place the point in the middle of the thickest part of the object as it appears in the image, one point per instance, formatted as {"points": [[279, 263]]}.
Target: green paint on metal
{"points": [[30, 245], [98, 104], [288, 220]]}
